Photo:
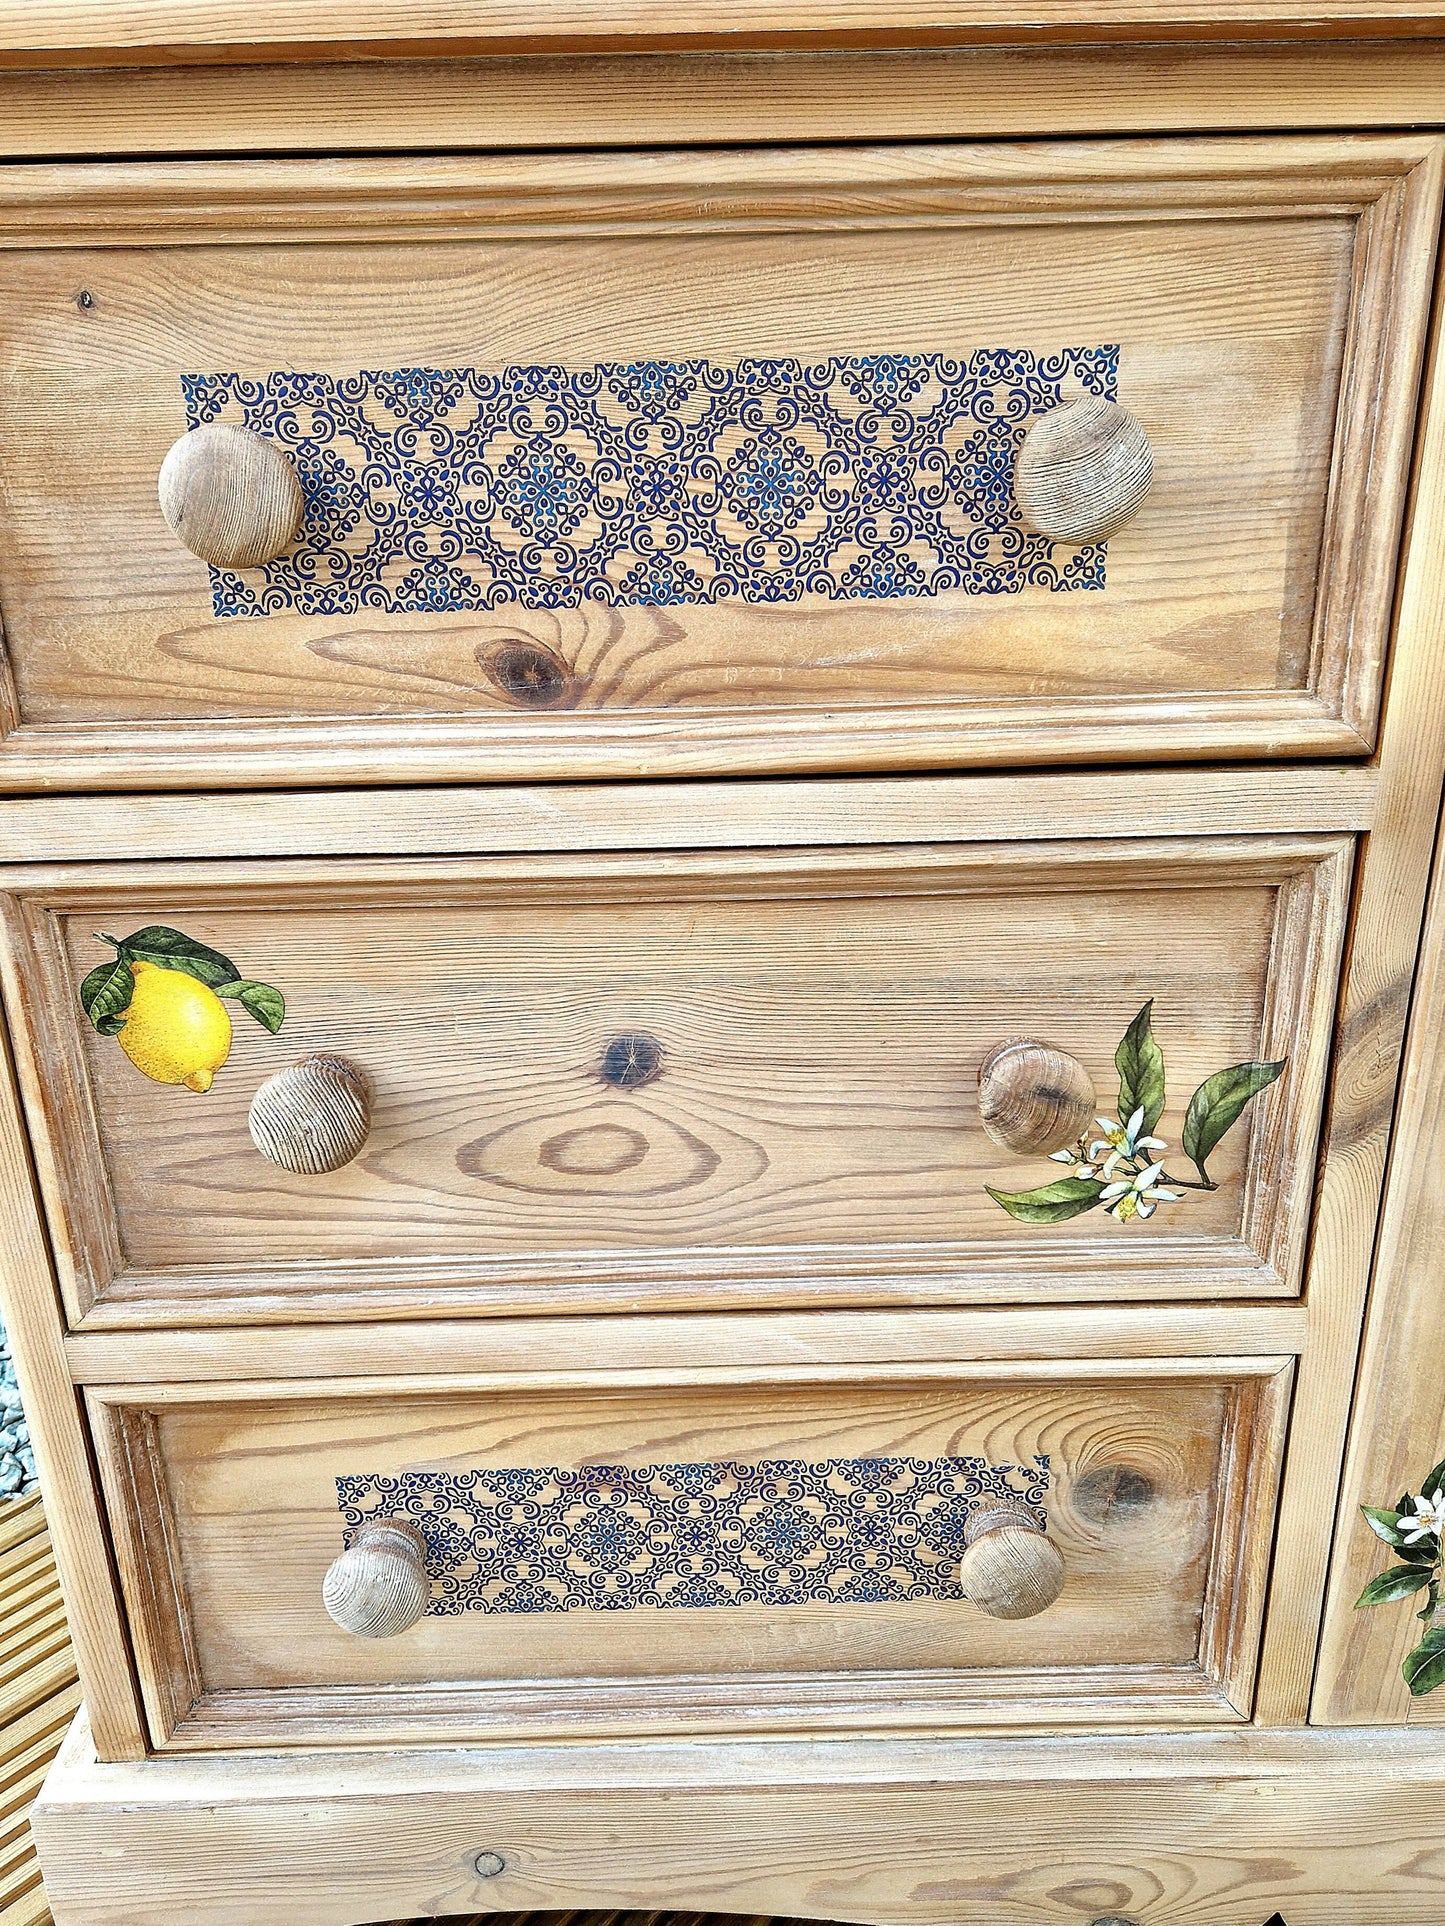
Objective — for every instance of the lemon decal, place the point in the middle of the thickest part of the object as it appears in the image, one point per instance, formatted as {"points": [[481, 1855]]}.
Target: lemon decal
{"points": [[161, 1000], [176, 1030]]}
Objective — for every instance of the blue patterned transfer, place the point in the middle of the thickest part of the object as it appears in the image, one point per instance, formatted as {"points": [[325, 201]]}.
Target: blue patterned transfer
{"points": [[856, 478], [847, 1531]]}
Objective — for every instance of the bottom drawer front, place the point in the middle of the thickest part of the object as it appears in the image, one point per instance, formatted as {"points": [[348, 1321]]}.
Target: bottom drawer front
{"points": [[635, 1556]]}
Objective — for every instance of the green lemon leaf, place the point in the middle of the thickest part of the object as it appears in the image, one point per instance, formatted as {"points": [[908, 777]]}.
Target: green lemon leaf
{"points": [[105, 993], [1384, 1524], [1433, 1482], [1217, 1103], [1140, 1063], [172, 949], [1424, 1669], [268, 1006], [1425, 1551], [1432, 1602], [1051, 1204], [1398, 1582]]}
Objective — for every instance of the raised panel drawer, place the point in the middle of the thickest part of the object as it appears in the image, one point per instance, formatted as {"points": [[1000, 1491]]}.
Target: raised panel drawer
{"points": [[714, 1550], [605, 1082], [665, 463]]}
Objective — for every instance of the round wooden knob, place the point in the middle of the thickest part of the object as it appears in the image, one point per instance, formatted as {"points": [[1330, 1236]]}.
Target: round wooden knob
{"points": [[1009, 1569], [1083, 470], [231, 497], [378, 1586], [313, 1117], [1033, 1098]]}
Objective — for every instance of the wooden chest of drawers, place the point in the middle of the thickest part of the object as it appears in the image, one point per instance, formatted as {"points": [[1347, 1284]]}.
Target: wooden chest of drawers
{"points": [[721, 759]]}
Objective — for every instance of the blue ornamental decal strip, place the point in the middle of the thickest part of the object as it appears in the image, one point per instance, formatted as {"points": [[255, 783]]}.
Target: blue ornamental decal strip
{"points": [[662, 482], [846, 1531]]}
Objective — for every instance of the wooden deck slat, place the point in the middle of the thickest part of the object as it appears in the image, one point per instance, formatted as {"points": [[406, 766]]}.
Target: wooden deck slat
{"points": [[38, 1698]]}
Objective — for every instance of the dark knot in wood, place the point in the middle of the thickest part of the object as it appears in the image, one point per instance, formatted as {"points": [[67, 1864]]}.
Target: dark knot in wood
{"points": [[630, 1060], [527, 673], [1116, 1493]]}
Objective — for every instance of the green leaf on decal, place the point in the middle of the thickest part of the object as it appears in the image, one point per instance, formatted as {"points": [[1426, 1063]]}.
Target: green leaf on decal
{"points": [[1053, 1203], [1384, 1524], [1216, 1106], [266, 1004], [106, 993], [1140, 1063], [1398, 1582], [172, 949], [1433, 1483], [1424, 1669]]}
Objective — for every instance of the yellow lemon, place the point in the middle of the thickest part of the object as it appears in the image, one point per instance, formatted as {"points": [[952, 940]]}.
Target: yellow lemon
{"points": [[176, 1029]]}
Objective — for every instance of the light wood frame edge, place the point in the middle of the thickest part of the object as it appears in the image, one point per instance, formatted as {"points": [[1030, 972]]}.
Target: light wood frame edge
{"points": [[62, 1450]]}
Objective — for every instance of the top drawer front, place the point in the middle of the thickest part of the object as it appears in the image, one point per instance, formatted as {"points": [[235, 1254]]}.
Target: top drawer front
{"points": [[706, 462]]}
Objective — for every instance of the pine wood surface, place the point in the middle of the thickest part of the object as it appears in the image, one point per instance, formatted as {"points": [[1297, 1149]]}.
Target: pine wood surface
{"points": [[646, 100], [123, 676], [41, 33], [80, 1542], [1221, 1828], [1283, 799], [223, 1499], [821, 1016], [1379, 972], [1399, 1424]]}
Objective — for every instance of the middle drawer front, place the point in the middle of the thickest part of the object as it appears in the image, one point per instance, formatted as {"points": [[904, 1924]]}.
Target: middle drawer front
{"points": [[677, 1080], [711, 1549]]}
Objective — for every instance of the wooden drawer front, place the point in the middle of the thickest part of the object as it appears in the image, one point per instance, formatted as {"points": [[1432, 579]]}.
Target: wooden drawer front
{"points": [[696, 1554], [630, 464], [739, 1078]]}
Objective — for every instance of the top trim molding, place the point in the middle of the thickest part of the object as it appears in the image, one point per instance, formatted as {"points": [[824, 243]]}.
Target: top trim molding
{"points": [[91, 33]]}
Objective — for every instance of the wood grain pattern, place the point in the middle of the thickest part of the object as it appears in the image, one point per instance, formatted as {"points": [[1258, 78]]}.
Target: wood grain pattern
{"points": [[1218, 1828], [34, 1322], [1379, 970], [728, 98], [118, 658], [782, 1342], [94, 32], [812, 1136], [1398, 1430], [224, 1503], [1286, 799]]}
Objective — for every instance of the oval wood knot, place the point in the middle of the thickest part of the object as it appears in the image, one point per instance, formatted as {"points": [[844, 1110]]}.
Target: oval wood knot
{"points": [[1033, 1098], [631, 1060], [313, 1117], [1083, 470], [378, 1587], [1009, 1569], [231, 497]]}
